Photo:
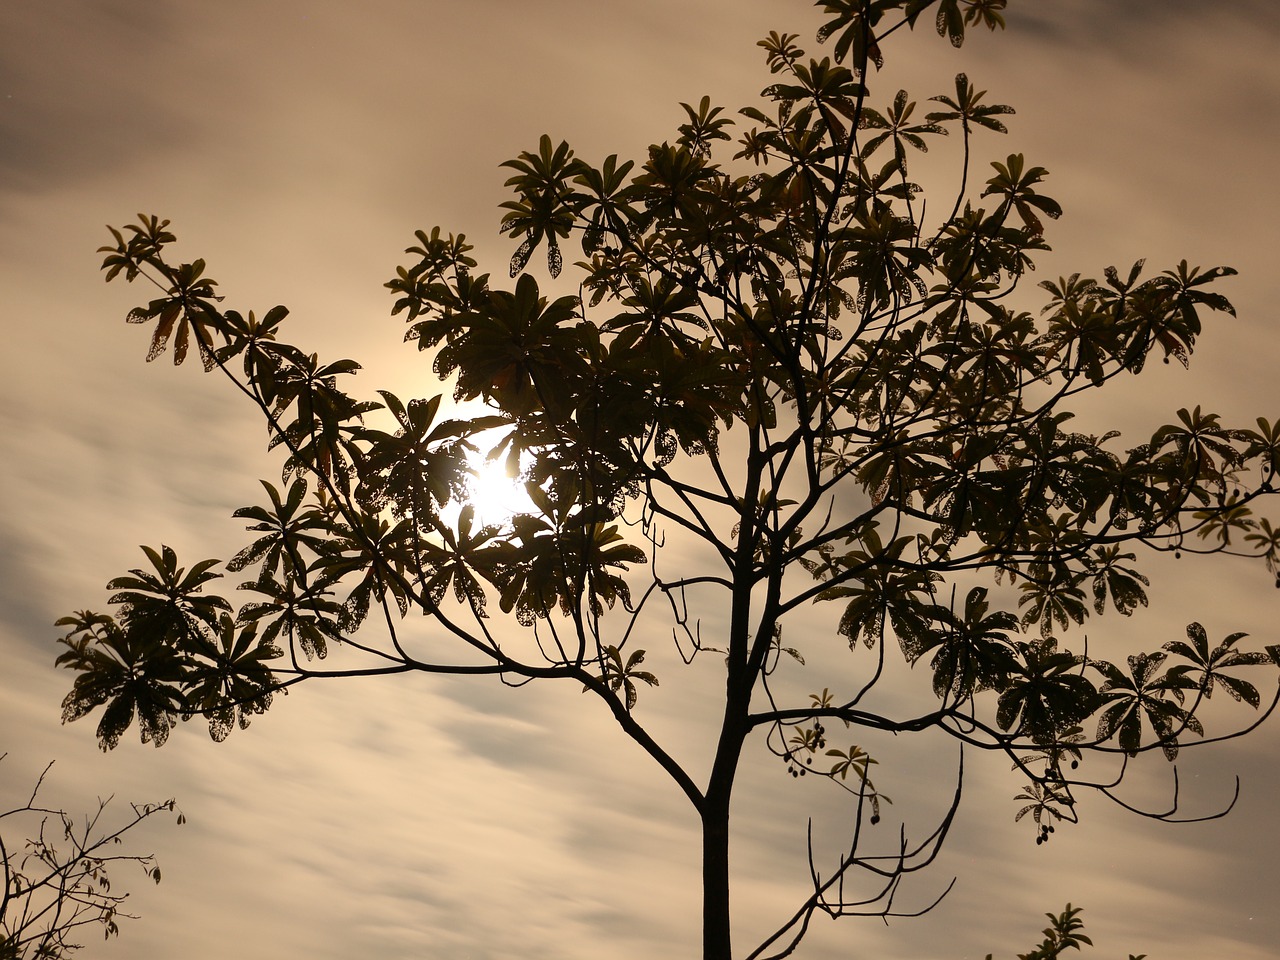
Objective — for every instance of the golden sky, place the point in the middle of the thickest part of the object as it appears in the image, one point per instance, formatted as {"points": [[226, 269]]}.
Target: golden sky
{"points": [[296, 145]]}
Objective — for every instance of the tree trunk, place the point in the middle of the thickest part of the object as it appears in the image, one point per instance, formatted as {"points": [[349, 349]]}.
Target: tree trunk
{"points": [[715, 881], [739, 681]]}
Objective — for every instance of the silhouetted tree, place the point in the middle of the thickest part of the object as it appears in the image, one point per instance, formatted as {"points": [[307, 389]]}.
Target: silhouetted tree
{"points": [[773, 351], [1065, 932], [55, 875]]}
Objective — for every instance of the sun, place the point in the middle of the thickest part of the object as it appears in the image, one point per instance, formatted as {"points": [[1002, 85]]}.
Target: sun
{"points": [[494, 494]]}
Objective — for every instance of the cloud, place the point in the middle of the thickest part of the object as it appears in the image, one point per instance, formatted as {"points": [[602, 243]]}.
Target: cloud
{"points": [[297, 146], [84, 88]]}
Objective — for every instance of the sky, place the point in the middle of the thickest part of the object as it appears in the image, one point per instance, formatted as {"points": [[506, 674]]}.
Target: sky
{"points": [[296, 146]]}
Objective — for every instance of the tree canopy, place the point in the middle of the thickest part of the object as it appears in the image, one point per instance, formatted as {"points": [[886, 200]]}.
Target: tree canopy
{"points": [[774, 350]]}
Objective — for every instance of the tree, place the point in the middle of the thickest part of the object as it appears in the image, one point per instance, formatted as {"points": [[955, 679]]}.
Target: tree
{"points": [[778, 353], [1065, 932], [56, 880]]}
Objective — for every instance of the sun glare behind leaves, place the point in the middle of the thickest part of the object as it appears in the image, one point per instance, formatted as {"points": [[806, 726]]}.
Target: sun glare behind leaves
{"points": [[493, 492]]}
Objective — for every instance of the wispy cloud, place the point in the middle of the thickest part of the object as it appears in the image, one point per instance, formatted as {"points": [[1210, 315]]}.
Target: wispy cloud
{"points": [[297, 146]]}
